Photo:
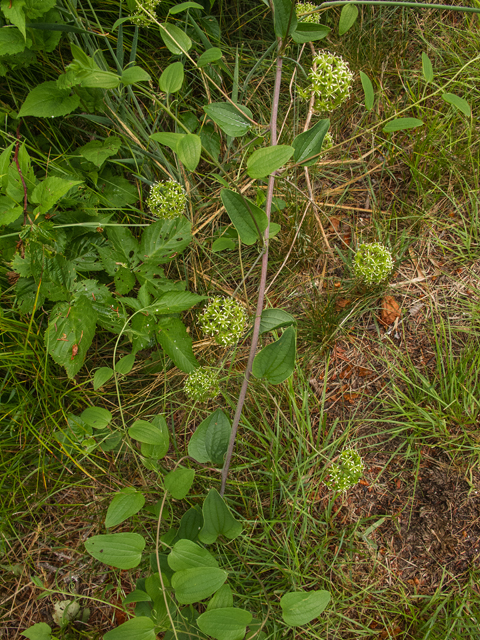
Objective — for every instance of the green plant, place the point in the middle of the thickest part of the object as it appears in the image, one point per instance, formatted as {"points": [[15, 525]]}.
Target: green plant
{"points": [[225, 319], [345, 473], [330, 81], [373, 263]]}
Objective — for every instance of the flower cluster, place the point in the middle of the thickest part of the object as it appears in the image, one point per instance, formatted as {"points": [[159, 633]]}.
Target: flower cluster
{"points": [[167, 199], [329, 82], [373, 263], [328, 142], [347, 472], [141, 15], [202, 384], [305, 7], [225, 319]]}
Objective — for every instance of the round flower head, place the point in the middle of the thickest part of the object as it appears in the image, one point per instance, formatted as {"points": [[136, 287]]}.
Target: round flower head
{"points": [[202, 384], [347, 472], [141, 16], [167, 199], [305, 7], [373, 263], [329, 83], [328, 142], [225, 319]]}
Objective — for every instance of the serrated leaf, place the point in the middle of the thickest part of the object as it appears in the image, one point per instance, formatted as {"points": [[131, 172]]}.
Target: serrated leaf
{"points": [[102, 376], [310, 143], [222, 599], [210, 55], [193, 585], [14, 11], [12, 41], [301, 607], [179, 481], [276, 362], [185, 554], [427, 68], [175, 39], [125, 364], [175, 302], [461, 104], [96, 417], [217, 519], [177, 343], [124, 505], [348, 17], [367, 90], [244, 214], [171, 79], [46, 100], [132, 75], [98, 151], [265, 161], [284, 17], [189, 149], [275, 319], [124, 280], [51, 190], [231, 119], [138, 628], [400, 124], [162, 240], [120, 550], [307, 32]]}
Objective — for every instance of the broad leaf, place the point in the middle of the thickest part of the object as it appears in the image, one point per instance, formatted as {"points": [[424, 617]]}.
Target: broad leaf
{"points": [[124, 505], [102, 376], [171, 79], [98, 151], [301, 607], [96, 417], [139, 628], [275, 319], [190, 525], [14, 12], [348, 17], [265, 161], [276, 362], [189, 149], [51, 190], [120, 550], [170, 140], [183, 6], [193, 585], [46, 100], [70, 333], [210, 55], [125, 364], [284, 17], [230, 118], [223, 243], [367, 90], [12, 41], [132, 75], [461, 104], [211, 438], [427, 68], [175, 39], [162, 240], [137, 596], [225, 624], [400, 124], [307, 32], [175, 302], [179, 481], [150, 433], [39, 631], [310, 143], [217, 519], [249, 220], [188, 555], [177, 343], [222, 599]]}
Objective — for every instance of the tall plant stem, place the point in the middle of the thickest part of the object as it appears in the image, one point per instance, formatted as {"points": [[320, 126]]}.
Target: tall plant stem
{"points": [[263, 279]]}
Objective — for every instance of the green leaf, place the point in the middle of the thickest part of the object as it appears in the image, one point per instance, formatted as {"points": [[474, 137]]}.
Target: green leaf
{"points": [[190, 525], [124, 280], [171, 79], [193, 585], [70, 332], [308, 32], [132, 75], [47, 101], [217, 436], [51, 190], [427, 68], [222, 599], [284, 17], [244, 213], [4, 164], [175, 302], [12, 41], [98, 151], [276, 362], [301, 607], [125, 364], [217, 519], [137, 596], [177, 343], [265, 161], [210, 55], [13, 11], [175, 39], [162, 240], [179, 481], [310, 143], [150, 433], [188, 555], [275, 319], [367, 90], [220, 244], [39, 631], [9, 210], [120, 550], [229, 623], [399, 124], [348, 17], [461, 104], [189, 149], [124, 505], [183, 6], [229, 118], [102, 376], [139, 628], [170, 140], [37, 8], [96, 417]]}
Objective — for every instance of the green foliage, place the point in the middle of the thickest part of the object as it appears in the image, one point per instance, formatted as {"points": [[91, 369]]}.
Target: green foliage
{"points": [[124, 505], [299, 608], [330, 81], [202, 384], [265, 161], [347, 472], [276, 362], [120, 550], [373, 263]]}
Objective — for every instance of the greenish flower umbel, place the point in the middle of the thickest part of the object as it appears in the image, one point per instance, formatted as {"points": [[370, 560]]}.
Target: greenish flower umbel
{"points": [[202, 384], [167, 199], [347, 472], [330, 82], [373, 263], [224, 319], [305, 7], [328, 142], [141, 17]]}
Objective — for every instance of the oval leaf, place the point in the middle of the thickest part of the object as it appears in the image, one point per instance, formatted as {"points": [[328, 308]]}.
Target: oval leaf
{"points": [[301, 607], [46, 100], [125, 364], [347, 18], [217, 519], [102, 376], [211, 55], [275, 319], [170, 140], [217, 437], [175, 39], [120, 550], [284, 17], [427, 68], [244, 214], [222, 599], [188, 150], [188, 555], [193, 585], [307, 32], [461, 104], [310, 143], [367, 90], [141, 628], [179, 481], [124, 505], [229, 118], [171, 79], [276, 362], [402, 123], [150, 433], [190, 525], [265, 161], [229, 623], [96, 417]]}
